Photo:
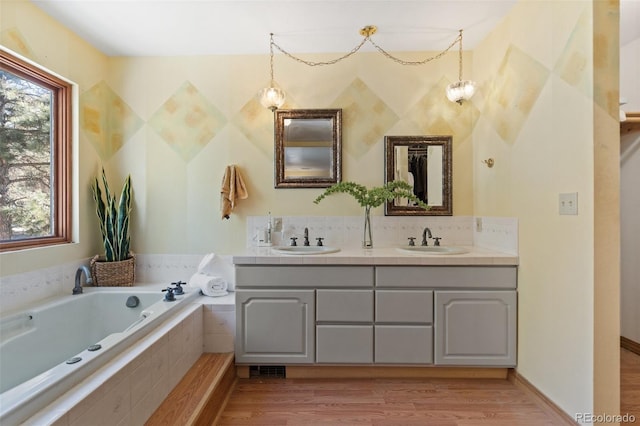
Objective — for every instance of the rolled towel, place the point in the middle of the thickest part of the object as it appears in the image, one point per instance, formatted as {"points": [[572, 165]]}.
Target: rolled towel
{"points": [[206, 264], [213, 286]]}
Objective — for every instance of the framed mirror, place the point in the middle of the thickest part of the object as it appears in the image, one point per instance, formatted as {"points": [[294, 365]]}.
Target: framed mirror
{"points": [[308, 148], [425, 163]]}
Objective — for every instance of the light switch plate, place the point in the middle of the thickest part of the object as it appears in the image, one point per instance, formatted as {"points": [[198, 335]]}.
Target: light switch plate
{"points": [[568, 203]]}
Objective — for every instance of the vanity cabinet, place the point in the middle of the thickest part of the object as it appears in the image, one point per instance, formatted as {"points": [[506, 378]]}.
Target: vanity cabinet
{"points": [[376, 314]]}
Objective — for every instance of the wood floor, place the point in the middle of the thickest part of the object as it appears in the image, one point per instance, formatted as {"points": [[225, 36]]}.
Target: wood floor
{"points": [[437, 402], [630, 383]]}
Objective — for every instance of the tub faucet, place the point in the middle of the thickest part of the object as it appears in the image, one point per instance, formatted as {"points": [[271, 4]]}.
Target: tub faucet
{"points": [[87, 279], [426, 232]]}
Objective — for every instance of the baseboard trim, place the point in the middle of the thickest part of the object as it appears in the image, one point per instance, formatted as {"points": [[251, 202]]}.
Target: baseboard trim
{"points": [[550, 407], [630, 345], [382, 372]]}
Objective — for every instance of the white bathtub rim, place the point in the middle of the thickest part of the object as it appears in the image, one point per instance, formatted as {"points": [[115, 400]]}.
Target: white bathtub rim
{"points": [[13, 404]]}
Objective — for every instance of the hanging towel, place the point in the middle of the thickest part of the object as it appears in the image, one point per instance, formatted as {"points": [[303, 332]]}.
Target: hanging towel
{"points": [[233, 189]]}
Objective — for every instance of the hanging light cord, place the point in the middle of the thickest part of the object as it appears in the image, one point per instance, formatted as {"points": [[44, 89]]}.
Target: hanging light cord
{"points": [[459, 58], [367, 38]]}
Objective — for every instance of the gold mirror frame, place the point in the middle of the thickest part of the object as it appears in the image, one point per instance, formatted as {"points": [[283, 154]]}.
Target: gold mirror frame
{"points": [[415, 143], [308, 148]]}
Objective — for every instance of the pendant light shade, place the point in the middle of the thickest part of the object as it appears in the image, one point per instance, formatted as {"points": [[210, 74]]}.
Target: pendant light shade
{"points": [[461, 91], [271, 97]]}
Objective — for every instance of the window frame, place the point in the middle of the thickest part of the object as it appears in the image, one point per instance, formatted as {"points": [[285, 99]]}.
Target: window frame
{"points": [[61, 150]]}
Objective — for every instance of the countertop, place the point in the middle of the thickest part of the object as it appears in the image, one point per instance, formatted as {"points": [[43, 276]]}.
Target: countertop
{"points": [[376, 256]]}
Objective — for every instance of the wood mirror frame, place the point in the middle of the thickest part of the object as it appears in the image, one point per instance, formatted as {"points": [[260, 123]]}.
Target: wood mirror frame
{"points": [[308, 148], [429, 157]]}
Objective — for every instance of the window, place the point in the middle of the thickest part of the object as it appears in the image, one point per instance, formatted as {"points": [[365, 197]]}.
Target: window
{"points": [[35, 150]]}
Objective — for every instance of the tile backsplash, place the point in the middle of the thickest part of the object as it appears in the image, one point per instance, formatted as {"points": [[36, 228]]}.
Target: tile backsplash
{"points": [[22, 290], [346, 231]]}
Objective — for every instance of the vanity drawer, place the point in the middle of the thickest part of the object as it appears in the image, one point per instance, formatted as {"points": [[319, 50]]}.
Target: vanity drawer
{"points": [[406, 344], [249, 276], [344, 306], [404, 306], [489, 277], [344, 344]]}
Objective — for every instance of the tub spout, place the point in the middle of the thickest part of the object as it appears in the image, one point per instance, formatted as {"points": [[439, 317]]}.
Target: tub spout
{"points": [[77, 289]]}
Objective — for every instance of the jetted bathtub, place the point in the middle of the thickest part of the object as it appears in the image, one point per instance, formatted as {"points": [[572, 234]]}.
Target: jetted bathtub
{"points": [[47, 349]]}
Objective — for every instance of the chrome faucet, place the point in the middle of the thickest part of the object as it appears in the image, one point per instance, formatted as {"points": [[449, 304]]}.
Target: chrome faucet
{"points": [[306, 236], [426, 232], [87, 279]]}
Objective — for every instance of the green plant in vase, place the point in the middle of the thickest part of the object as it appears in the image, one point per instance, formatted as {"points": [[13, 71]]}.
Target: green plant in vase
{"points": [[371, 198]]}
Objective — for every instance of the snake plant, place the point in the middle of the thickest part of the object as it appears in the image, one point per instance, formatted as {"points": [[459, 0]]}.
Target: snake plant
{"points": [[114, 217]]}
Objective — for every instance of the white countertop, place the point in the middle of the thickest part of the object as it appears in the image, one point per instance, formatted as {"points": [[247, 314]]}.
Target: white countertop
{"points": [[375, 256]]}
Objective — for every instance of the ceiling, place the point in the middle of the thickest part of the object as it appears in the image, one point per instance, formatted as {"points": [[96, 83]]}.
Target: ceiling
{"points": [[209, 27]]}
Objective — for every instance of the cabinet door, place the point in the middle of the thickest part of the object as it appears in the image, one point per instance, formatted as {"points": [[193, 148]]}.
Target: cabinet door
{"points": [[475, 328], [275, 326]]}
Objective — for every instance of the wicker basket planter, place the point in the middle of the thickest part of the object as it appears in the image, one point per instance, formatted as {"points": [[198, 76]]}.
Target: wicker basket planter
{"points": [[113, 274]]}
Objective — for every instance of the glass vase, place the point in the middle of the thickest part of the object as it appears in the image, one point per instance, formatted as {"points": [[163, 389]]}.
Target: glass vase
{"points": [[367, 240]]}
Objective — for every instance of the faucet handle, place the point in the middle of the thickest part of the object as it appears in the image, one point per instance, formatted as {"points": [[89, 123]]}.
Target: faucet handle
{"points": [[319, 239], [293, 241], [412, 241], [437, 241], [169, 297], [178, 290]]}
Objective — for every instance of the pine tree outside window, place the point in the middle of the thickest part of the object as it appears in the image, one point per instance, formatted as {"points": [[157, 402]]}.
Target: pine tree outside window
{"points": [[35, 146]]}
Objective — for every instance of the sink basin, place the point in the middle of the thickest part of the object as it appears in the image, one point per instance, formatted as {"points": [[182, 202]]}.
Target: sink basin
{"points": [[433, 249], [305, 250]]}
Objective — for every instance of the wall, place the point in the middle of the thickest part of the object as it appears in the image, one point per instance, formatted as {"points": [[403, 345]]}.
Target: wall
{"points": [[29, 32], [629, 195], [177, 158], [630, 230], [541, 92]]}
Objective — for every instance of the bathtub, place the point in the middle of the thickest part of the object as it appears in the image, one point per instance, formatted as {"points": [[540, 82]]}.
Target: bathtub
{"points": [[46, 350]]}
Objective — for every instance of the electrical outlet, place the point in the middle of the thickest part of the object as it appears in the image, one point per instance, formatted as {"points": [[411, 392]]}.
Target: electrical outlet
{"points": [[277, 224], [568, 203]]}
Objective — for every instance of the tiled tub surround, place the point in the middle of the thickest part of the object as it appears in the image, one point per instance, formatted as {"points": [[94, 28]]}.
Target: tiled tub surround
{"points": [[345, 232], [36, 342], [130, 388]]}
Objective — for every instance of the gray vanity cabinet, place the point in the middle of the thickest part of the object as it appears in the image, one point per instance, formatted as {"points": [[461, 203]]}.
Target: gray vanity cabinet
{"points": [[275, 326], [384, 314]]}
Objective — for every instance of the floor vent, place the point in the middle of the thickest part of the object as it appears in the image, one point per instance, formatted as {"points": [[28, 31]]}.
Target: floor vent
{"points": [[273, 371]]}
